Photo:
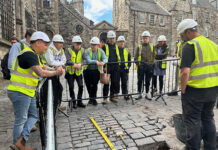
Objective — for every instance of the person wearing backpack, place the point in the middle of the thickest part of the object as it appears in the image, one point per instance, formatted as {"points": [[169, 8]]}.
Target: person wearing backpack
{"points": [[17, 47], [4, 61]]}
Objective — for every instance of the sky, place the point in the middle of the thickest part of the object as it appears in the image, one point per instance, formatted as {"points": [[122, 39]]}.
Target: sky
{"points": [[98, 10]]}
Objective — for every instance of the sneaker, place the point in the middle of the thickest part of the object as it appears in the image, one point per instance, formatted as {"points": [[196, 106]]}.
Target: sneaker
{"points": [[104, 101], [148, 96], [139, 97], [95, 102], [34, 128], [62, 107], [80, 104]]}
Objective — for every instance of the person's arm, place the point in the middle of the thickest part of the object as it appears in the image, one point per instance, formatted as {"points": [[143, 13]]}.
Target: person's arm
{"points": [[68, 57], [84, 59], [50, 59], [136, 55], [129, 59], [188, 56], [63, 59], [14, 51], [45, 73]]}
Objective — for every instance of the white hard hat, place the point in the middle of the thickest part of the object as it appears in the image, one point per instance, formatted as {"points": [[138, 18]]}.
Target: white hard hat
{"points": [[121, 38], [162, 38], [38, 35], [58, 38], [111, 34], [186, 24], [77, 39], [146, 33], [95, 40]]}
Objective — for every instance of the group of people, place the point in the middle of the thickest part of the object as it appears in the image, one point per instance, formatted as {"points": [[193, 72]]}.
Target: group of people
{"points": [[34, 57]]}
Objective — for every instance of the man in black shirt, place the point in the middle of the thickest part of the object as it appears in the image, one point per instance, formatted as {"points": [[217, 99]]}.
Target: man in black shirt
{"points": [[198, 77], [111, 50]]}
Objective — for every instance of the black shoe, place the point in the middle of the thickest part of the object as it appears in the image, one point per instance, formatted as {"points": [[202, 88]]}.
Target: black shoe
{"points": [[81, 105], [90, 101], [95, 102], [74, 105]]}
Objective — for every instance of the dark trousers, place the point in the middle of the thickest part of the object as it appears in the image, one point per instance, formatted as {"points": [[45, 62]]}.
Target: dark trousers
{"points": [[124, 80], [145, 73], [92, 78], [57, 93], [70, 80], [115, 78], [160, 82], [198, 117]]}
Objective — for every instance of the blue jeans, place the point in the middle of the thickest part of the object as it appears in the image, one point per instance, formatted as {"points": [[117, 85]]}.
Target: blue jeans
{"points": [[25, 113]]}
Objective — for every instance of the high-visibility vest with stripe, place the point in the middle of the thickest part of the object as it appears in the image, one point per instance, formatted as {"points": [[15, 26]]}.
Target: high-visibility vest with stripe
{"points": [[204, 69], [117, 52], [179, 49], [125, 55], [75, 59], [140, 53], [42, 56], [24, 80], [99, 57]]}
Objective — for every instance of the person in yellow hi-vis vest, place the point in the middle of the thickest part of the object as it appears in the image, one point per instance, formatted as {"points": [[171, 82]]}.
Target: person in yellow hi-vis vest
{"points": [[124, 67], [75, 60], [144, 53], [199, 86], [26, 69], [112, 52], [96, 59], [160, 53]]}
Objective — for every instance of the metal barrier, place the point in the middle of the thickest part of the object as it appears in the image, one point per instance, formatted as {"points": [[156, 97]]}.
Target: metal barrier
{"points": [[46, 123], [131, 92], [170, 79]]}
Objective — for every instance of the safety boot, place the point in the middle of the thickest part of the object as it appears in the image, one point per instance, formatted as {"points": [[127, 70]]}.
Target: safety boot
{"points": [[113, 99], [80, 104], [21, 144], [104, 101], [62, 107]]}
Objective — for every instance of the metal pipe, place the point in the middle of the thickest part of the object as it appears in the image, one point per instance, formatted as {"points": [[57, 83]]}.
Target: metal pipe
{"points": [[50, 119]]}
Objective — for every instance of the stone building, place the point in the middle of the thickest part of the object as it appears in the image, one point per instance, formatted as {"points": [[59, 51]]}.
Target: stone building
{"points": [[162, 17]]}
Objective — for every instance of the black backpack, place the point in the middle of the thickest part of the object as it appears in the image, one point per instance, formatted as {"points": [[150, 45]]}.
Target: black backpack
{"points": [[4, 64]]}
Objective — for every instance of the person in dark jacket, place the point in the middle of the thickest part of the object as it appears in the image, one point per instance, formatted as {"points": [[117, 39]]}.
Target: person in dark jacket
{"points": [[160, 52], [124, 67], [112, 53]]}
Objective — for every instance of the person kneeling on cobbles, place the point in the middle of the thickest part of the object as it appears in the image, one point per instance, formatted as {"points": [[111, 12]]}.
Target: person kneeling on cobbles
{"points": [[96, 58]]}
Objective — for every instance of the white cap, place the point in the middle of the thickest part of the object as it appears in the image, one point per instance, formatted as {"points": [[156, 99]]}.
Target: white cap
{"points": [[95, 40], [121, 38], [77, 39], [162, 38], [111, 34], [38, 35], [58, 38], [186, 24], [146, 33]]}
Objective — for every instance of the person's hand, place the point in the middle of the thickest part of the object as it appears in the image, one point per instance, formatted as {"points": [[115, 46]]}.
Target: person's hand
{"points": [[75, 66], [44, 67], [98, 63], [58, 68], [102, 63], [105, 70], [79, 66]]}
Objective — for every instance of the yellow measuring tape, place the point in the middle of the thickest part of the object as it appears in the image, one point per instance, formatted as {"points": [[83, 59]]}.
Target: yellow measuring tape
{"points": [[102, 134]]}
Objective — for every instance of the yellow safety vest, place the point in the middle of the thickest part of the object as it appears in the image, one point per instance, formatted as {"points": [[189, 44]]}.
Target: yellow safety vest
{"points": [[204, 69], [75, 59], [125, 55], [42, 56], [140, 53], [23, 80], [99, 57], [117, 52]]}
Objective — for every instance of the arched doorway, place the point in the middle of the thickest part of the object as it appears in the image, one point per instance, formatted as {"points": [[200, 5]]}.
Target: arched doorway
{"points": [[103, 37]]}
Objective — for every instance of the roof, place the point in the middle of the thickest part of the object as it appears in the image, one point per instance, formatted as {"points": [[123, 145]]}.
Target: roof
{"points": [[203, 3], [149, 6], [104, 22]]}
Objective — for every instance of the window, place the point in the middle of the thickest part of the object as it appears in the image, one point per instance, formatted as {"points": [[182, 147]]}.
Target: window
{"points": [[162, 20], [194, 1], [206, 32], [152, 21], [79, 29], [142, 18], [7, 19], [47, 3], [207, 17], [194, 13]]}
